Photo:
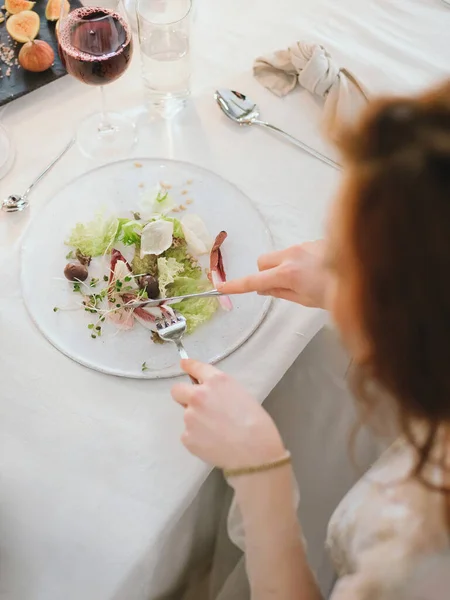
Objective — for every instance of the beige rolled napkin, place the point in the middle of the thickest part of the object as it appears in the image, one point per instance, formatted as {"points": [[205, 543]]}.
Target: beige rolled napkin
{"points": [[312, 67]]}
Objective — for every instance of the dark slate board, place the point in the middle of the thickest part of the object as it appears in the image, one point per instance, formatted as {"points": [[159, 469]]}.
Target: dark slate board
{"points": [[21, 82]]}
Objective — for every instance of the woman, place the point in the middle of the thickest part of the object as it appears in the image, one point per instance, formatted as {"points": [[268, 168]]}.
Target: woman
{"points": [[383, 274]]}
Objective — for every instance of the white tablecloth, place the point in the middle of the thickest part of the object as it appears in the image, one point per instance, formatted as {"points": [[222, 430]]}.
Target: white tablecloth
{"points": [[93, 477]]}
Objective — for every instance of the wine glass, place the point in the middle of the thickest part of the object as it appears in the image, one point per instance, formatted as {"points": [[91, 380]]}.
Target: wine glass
{"points": [[6, 152], [95, 44]]}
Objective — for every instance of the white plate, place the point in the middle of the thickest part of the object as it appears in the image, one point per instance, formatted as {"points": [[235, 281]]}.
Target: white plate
{"points": [[117, 188]]}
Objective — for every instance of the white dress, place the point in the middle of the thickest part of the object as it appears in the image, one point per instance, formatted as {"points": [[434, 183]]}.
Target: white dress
{"points": [[385, 528], [380, 534]]}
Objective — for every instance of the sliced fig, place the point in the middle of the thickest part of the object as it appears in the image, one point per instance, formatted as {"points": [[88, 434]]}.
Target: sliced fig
{"points": [[17, 6], [24, 26], [53, 9]]}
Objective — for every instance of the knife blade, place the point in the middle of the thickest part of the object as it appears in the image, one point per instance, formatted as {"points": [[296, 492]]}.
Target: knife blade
{"points": [[173, 300]]}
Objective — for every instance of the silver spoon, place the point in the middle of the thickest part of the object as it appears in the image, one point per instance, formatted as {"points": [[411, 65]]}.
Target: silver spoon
{"points": [[17, 202], [244, 111]]}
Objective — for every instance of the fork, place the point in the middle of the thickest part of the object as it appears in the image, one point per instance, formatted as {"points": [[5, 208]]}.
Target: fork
{"points": [[173, 330]]}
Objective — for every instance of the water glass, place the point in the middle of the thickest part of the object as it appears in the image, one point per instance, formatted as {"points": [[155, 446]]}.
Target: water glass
{"points": [[164, 30], [111, 4]]}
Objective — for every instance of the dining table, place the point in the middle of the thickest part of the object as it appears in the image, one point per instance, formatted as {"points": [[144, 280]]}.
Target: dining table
{"points": [[99, 500]]}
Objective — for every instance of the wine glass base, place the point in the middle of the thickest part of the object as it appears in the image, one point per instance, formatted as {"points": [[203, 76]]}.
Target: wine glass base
{"points": [[110, 138], [6, 152]]}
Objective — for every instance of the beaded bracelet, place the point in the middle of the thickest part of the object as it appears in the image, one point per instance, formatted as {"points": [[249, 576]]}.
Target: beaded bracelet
{"points": [[284, 460]]}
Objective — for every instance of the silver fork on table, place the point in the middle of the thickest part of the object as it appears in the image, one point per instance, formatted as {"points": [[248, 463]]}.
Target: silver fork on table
{"points": [[173, 330]]}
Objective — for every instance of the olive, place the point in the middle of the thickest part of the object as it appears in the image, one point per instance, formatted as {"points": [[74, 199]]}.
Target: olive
{"points": [[75, 272], [150, 285]]}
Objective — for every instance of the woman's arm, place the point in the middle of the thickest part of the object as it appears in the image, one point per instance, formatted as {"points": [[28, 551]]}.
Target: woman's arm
{"points": [[226, 427], [275, 555]]}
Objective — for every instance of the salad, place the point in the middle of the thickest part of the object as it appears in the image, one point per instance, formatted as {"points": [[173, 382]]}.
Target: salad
{"points": [[147, 255]]}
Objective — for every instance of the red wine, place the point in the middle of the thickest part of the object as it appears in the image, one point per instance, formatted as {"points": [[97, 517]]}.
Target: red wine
{"points": [[95, 45]]}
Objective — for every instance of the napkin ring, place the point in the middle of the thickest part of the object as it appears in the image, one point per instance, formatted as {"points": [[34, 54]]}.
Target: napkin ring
{"points": [[269, 466]]}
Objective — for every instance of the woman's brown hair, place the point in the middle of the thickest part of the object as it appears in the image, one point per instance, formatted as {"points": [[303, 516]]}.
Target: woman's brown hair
{"points": [[398, 158]]}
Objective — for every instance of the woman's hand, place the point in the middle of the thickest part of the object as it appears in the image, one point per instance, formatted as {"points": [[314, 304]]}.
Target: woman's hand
{"points": [[225, 425], [295, 274], [227, 428]]}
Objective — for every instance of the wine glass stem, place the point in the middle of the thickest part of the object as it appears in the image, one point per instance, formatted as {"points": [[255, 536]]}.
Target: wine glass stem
{"points": [[104, 125]]}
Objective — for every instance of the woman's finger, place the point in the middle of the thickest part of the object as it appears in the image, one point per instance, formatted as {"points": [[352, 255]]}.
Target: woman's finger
{"points": [[239, 286], [259, 282], [271, 260], [182, 393], [198, 370]]}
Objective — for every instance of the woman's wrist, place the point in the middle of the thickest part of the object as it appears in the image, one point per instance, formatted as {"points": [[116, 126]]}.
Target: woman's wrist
{"points": [[259, 468], [268, 500], [318, 292], [262, 445], [258, 480]]}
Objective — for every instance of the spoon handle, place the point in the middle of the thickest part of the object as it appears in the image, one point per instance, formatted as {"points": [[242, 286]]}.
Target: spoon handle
{"points": [[49, 167], [300, 144]]}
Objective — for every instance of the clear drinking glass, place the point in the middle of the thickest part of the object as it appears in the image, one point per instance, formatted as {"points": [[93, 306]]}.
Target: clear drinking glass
{"points": [[95, 44], [164, 29]]}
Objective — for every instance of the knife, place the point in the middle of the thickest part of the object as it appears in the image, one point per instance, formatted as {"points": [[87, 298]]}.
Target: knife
{"points": [[173, 300]]}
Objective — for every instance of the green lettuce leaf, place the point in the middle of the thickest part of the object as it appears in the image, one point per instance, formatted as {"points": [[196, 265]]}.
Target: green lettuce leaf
{"points": [[163, 202], [94, 238], [177, 229], [144, 266], [195, 311], [168, 270], [179, 253], [161, 196], [129, 232]]}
